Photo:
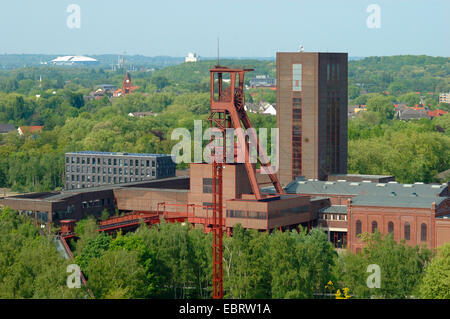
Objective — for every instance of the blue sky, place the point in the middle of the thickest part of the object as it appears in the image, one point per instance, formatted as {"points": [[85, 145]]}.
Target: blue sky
{"points": [[247, 28]]}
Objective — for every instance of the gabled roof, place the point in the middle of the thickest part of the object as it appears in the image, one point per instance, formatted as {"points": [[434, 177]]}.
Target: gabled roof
{"points": [[391, 194], [30, 129], [436, 113]]}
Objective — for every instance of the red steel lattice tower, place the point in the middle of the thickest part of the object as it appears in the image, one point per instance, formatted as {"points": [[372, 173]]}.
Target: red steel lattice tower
{"points": [[227, 111]]}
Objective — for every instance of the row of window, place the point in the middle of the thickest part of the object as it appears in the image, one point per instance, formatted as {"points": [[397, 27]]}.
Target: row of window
{"points": [[334, 217], [97, 203], [406, 229], [246, 214], [110, 161], [103, 181], [108, 170]]}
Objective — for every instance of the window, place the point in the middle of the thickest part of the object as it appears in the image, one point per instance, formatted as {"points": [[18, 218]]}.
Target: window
{"points": [[391, 228], [147, 163], [207, 185], [374, 226], [153, 163], [423, 232], [407, 231], [296, 77], [358, 227], [67, 160], [115, 161]]}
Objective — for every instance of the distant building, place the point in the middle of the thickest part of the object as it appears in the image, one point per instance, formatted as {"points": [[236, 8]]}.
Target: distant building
{"points": [[141, 114], [263, 81], [270, 110], [127, 87], [411, 113], [436, 113], [444, 98], [74, 60], [107, 87], [261, 107], [22, 130], [90, 169], [192, 57], [6, 128]]}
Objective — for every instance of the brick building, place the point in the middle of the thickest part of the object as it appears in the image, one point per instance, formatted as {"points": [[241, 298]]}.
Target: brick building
{"points": [[418, 213], [312, 114]]}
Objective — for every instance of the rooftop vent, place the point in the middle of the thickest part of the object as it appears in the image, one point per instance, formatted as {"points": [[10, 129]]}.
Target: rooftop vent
{"points": [[392, 182], [381, 185], [414, 194], [435, 186], [393, 194], [407, 185], [418, 183], [329, 183], [354, 184], [310, 179], [367, 181], [302, 182], [342, 180]]}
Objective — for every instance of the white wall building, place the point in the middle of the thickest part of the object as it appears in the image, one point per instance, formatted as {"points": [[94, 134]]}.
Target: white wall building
{"points": [[192, 57], [444, 98], [74, 60]]}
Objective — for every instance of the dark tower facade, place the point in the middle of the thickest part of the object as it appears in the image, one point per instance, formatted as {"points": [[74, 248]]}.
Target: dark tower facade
{"points": [[312, 114]]}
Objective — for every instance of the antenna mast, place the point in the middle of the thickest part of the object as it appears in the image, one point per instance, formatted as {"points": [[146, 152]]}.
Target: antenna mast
{"points": [[218, 52]]}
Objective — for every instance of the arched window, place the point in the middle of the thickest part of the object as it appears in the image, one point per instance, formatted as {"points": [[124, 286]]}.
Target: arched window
{"points": [[423, 232], [407, 231], [391, 228], [374, 226], [358, 227]]}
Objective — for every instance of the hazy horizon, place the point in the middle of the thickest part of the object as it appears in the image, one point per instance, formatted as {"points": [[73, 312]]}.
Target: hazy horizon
{"points": [[246, 28]]}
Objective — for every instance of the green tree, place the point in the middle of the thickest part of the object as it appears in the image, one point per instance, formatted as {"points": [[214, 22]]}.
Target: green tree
{"points": [[436, 283], [381, 105], [401, 267]]}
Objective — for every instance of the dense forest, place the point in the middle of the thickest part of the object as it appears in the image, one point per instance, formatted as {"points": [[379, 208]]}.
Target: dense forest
{"points": [[59, 99], [174, 261]]}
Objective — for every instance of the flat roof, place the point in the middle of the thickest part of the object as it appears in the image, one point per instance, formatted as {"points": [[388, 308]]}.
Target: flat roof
{"points": [[118, 154], [61, 195]]}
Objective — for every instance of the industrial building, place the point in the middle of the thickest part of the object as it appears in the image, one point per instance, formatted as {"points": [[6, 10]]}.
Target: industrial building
{"points": [[89, 169], [318, 192], [312, 114]]}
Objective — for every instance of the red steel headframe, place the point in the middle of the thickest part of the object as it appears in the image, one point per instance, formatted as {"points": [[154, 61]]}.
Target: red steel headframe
{"points": [[227, 111]]}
